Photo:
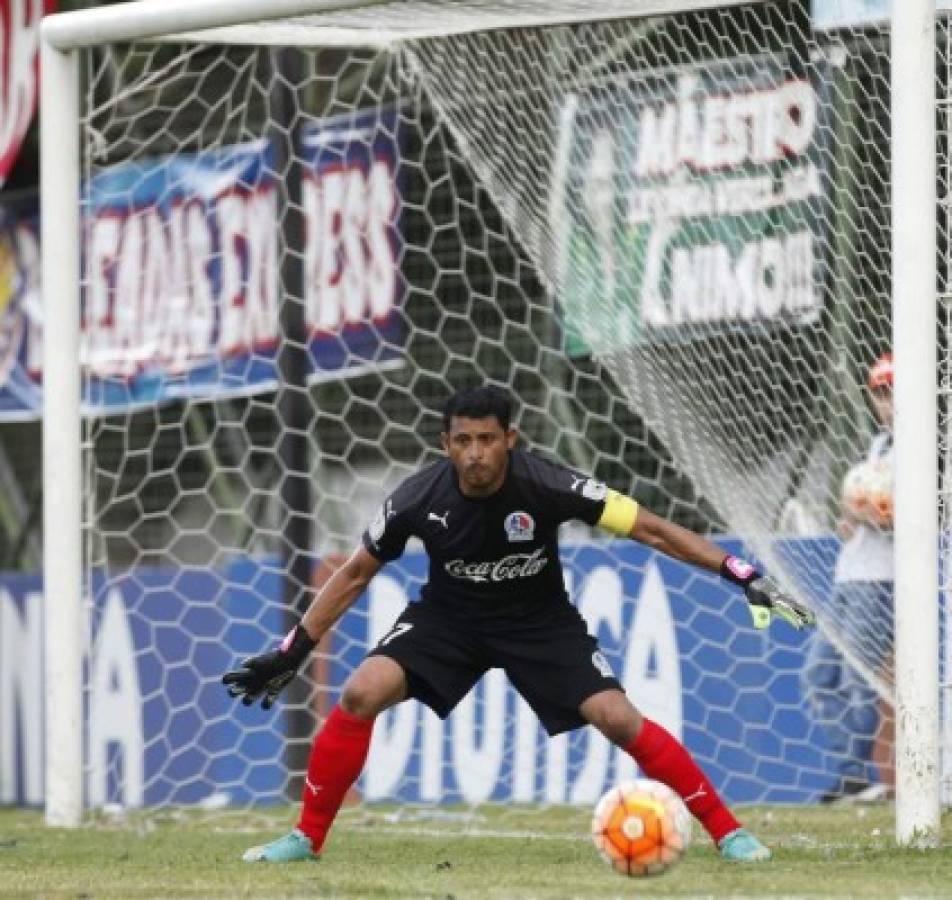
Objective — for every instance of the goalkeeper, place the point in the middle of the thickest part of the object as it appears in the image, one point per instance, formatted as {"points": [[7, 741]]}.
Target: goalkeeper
{"points": [[488, 515]]}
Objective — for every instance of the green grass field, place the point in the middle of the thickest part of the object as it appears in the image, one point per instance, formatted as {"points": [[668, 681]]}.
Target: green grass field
{"points": [[823, 852]]}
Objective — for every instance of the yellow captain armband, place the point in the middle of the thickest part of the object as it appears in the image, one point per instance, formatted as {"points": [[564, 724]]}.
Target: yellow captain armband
{"points": [[619, 514]]}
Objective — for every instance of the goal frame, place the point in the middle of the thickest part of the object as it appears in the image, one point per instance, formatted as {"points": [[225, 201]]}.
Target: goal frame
{"points": [[914, 271]]}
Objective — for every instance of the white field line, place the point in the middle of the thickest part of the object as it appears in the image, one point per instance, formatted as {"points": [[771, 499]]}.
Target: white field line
{"points": [[483, 833], [874, 840], [795, 840], [429, 832]]}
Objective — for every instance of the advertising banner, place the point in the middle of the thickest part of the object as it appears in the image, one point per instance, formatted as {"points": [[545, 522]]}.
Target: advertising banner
{"points": [[21, 312], [160, 727], [182, 272], [692, 200]]}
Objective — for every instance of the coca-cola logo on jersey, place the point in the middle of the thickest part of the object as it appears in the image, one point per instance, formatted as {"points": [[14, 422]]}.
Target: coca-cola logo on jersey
{"points": [[515, 565], [18, 74]]}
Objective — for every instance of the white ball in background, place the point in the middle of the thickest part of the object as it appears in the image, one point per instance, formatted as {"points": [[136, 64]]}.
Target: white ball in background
{"points": [[867, 493]]}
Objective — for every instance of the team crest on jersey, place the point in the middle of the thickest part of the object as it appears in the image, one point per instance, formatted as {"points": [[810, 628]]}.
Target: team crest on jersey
{"points": [[520, 526]]}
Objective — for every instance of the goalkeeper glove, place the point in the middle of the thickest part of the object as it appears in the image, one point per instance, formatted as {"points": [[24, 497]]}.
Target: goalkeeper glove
{"points": [[765, 597], [268, 674]]}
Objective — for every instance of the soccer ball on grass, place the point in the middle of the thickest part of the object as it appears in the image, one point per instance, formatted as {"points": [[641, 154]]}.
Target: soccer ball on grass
{"points": [[641, 828]]}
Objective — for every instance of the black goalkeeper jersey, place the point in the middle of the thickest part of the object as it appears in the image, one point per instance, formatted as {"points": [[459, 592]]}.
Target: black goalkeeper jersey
{"points": [[489, 556]]}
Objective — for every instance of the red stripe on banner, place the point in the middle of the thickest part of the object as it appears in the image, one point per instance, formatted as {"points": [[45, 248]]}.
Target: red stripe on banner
{"points": [[19, 74]]}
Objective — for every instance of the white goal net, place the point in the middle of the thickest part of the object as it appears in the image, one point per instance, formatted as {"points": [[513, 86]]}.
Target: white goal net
{"points": [[666, 231]]}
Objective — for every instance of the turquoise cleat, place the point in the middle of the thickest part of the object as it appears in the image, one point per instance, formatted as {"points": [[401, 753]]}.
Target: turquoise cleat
{"points": [[293, 847], [741, 846]]}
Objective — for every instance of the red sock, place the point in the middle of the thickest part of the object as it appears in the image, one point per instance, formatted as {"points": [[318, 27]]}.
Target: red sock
{"points": [[338, 755], [662, 757]]}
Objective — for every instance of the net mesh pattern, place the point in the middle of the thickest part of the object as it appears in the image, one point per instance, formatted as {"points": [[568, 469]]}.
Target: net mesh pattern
{"points": [[691, 318]]}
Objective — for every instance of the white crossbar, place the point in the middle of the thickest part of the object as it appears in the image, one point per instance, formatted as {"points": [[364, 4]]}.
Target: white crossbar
{"points": [[335, 22]]}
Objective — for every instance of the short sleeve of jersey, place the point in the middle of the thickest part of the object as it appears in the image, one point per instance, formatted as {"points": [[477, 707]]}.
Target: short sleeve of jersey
{"points": [[387, 535], [570, 494]]}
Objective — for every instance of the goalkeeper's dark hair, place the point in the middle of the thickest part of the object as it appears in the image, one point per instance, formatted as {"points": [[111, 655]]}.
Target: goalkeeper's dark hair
{"points": [[479, 403]]}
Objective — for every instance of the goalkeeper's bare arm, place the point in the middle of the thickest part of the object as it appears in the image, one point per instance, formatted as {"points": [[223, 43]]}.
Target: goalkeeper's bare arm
{"points": [[623, 516], [340, 592]]}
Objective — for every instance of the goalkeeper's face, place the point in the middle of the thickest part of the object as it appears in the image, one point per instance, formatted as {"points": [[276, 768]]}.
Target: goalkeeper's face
{"points": [[479, 450]]}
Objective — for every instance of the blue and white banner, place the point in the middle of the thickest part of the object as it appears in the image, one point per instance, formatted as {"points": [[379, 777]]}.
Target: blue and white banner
{"points": [[182, 271], [160, 727], [20, 310]]}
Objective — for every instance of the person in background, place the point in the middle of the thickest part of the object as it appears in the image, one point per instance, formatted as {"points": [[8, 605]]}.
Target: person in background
{"points": [[857, 724]]}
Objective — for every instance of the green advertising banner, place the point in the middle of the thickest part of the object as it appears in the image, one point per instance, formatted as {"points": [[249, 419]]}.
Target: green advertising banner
{"points": [[693, 201]]}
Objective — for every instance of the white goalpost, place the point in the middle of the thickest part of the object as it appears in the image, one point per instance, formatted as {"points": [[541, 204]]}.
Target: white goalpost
{"points": [[63, 35], [277, 234], [61, 445], [914, 314]]}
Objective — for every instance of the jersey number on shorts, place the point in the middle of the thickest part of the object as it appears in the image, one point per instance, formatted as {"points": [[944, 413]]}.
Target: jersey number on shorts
{"points": [[395, 632]]}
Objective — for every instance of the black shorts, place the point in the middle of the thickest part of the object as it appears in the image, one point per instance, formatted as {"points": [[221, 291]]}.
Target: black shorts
{"points": [[551, 660]]}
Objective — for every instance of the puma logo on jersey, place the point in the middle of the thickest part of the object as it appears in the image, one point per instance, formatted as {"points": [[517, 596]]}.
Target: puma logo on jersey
{"points": [[433, 517]]}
